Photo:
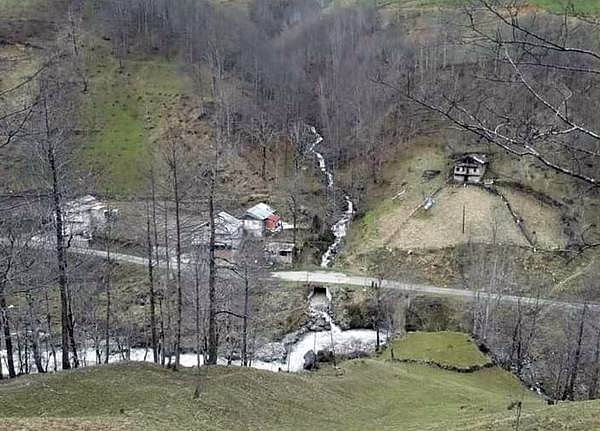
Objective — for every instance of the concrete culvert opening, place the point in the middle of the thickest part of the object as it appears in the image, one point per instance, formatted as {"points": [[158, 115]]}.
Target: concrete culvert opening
{"points": [[319, 297]]}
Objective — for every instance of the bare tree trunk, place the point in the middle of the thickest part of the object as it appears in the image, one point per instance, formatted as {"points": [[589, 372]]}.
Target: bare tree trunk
{"points": [[212, 289], [4, 321], [1, 372], [197, 300], [151, 286], [157, 262], [593, 387], [167, 296], [72, 331], [162, 333], [61, 256], [245, 318], [294, 207], [178, 258], [49, 329], [264, 163], [377, 290], [62, 264], [572, 378], [35, 331], [108, 298]]}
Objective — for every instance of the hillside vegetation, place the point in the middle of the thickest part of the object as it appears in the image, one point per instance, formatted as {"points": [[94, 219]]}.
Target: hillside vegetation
{"points": [[124, 112], [358, 395], [444, 348], [361, 394], [554, 6]]}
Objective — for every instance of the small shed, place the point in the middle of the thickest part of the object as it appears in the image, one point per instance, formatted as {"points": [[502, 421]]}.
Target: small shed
{"points": [[470, 168], [281, 252]]}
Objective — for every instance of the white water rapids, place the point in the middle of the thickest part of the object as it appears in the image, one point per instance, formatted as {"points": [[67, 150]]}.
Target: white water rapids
{"points": [[87, 358], [344, 343], [340, 228]]}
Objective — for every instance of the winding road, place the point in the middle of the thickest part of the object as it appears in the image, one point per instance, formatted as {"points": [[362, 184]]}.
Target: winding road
{"points": [[324, 277], [327, 277]]}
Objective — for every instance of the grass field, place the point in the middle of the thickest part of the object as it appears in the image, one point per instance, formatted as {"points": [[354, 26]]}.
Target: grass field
{"points": [[392, 218], [578, 6], [362, 394], [368, 393], [124, 109], [18, 8], [444, 348]]}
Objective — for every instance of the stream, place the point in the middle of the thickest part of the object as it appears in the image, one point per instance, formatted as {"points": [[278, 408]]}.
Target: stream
{"points": [[340, 228], [350, 343], [87, 358]]}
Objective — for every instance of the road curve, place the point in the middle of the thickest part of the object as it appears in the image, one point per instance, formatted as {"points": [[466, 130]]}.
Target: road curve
{"points": [[470, 295], [327, 277]]}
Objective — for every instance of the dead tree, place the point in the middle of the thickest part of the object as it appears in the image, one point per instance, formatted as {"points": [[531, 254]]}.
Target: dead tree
{"points": [[7, 264], [151, 291], [531, 63], [574, 366], [174, 165], [51, 144]]}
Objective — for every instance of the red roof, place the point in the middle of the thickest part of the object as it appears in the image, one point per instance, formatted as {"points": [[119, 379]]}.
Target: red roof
{"points": [[273, 222]]}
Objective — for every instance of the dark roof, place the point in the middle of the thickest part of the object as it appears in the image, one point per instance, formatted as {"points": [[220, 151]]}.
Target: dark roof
{"points": [[472, 158]]}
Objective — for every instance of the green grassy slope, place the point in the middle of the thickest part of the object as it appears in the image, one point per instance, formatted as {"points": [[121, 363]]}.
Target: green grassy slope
{"points": [[370, 393], [124, 111], [362, 394], [445, 348]]}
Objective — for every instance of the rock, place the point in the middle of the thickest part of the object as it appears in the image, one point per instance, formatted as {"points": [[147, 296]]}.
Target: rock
{"points": [[310, 361], [319, 320], [271, 352], [318, 323], [429, 174], [293, 337], [324, 356]]}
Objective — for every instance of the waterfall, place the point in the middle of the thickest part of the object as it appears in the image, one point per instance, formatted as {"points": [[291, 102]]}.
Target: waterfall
{"points": [[340, 228], [351, 342]]}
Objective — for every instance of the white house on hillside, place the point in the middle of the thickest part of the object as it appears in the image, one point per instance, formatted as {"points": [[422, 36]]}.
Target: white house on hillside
{"points": [[84, 216]]}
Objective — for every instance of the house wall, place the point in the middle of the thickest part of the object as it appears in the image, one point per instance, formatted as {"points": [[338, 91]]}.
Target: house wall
{"points": [[470, 174], [279, 252], [256, 228]]}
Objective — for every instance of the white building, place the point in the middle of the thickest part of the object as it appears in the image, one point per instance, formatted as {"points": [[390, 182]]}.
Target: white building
{"points": [[470, 168], [85, 216]]}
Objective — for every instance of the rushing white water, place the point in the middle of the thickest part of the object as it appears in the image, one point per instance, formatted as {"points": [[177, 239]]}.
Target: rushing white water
{"points": [[340, 228], [335, 340], [320, 158], [87, 358]]}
